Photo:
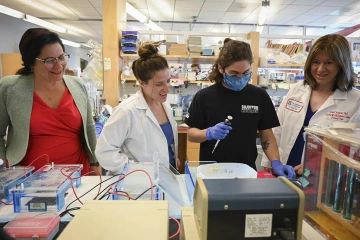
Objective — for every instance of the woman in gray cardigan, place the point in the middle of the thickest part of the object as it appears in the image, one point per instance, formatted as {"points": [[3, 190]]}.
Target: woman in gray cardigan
{"points": [[47, 114]]}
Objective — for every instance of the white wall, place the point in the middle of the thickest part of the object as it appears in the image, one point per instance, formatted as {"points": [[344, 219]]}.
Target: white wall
{"points": [[12, 29]]}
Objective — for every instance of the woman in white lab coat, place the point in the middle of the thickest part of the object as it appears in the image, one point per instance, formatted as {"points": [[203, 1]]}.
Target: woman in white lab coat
{"points": [[326, 96], [141, 125]]}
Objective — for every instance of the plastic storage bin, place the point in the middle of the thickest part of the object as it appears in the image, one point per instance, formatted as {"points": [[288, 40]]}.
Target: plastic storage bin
{"points": [[225, 171], [39, 226], [137, 184], [45, 189], [213, 170], [10, 177], [331, 181]]}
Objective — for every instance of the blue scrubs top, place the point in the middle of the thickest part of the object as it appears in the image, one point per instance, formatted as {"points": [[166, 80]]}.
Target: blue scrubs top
{"points": [[167, 129], [297, 150]]}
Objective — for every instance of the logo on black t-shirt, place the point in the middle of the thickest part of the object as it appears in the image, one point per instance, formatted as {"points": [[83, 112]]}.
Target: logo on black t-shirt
{"points": [[249, 109]]}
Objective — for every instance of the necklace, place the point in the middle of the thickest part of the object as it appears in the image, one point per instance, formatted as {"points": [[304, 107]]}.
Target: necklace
{"points": [[51, 95]]}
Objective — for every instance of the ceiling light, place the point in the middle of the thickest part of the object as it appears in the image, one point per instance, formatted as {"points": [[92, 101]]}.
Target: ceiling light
{"points": [[44, 24], [135, 13], [11, 12], [70, 43], [142, 18], [263, 12]]}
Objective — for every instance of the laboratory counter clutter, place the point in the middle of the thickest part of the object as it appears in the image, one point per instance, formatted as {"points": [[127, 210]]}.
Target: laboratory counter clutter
{"points": [[209, 201], [139, 174]]}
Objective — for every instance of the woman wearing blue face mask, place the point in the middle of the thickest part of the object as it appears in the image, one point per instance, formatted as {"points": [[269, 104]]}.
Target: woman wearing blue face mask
{"points": [[250, 107]]}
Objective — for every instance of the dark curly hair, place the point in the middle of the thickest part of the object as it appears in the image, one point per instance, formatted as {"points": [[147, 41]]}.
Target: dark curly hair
{"points": [[232, 51]]}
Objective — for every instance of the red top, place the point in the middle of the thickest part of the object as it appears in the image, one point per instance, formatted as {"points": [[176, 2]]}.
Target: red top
{"points": [[56, 133]]}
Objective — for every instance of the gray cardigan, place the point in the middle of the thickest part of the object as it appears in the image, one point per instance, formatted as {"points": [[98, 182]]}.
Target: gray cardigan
{"points": [[16, 101]]}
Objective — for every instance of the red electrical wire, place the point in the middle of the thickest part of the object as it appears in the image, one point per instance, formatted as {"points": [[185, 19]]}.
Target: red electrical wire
{"points": [[72, 186], [178, 231], [137, 170], [5, 203], [48, 161], [123, 195]]}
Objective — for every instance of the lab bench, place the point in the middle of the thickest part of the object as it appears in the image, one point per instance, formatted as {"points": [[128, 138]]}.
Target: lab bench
{"points": [[7, 214]]}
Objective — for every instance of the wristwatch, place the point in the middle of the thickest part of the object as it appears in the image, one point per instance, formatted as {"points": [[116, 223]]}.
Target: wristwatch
{"points": [[95, 164]]}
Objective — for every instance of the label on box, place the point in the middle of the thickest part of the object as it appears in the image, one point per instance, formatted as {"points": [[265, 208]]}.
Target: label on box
{"points": [[37, 206], [258, 225]]}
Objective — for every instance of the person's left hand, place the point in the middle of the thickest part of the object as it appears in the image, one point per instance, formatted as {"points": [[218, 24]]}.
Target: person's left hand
{"points": [[299, 169], [96, 171]]}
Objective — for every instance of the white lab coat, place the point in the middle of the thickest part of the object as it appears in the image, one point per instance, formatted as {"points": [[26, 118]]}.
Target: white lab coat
{"points": [[133, 133], [341, 106]]}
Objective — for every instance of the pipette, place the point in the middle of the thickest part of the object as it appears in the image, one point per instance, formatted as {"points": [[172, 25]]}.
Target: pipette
{"points": [[226, 122]]}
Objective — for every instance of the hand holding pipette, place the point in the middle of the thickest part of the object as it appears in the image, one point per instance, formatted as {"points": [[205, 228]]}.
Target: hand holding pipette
{"points": [[219, 131]]}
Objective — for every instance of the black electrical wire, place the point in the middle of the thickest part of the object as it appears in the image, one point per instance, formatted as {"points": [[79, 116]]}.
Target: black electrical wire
{"points": [[94, 188], [106, 188], [108, 194], [144, 192]]}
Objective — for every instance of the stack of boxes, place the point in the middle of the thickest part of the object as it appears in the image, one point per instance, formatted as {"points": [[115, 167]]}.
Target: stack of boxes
{"points": [[177, 49], [129, 42], [194, 46]]}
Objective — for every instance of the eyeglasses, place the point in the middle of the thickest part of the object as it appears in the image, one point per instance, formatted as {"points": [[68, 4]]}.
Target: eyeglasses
{"points": [[238, 75], [50, 61]]}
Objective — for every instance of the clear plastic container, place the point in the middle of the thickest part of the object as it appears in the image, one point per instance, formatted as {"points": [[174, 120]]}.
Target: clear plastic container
{"points": [[225, 171], [136, 184], [40, 226], [45, 189], [10, 177], [331, 181]]}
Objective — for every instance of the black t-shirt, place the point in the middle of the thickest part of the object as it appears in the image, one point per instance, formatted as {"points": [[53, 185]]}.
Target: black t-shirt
{"points": [[251, 109]]}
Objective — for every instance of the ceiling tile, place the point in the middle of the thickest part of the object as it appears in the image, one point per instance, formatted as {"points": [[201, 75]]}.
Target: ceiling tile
{"points": [[323, 21], [240, 7], [280, 19], [159, 15], [138, 4], [320, 11], [17, 2], [308, 2], [84, 11], [281, 2], [96, 3], [96, 25], [77, 3], [275, 8], [252, 18], [302, 20], [184, 15], [216, 6], [144, 11], [210, 16], [338, 3], [230, 1], [231, 17], [295, 9], [188, 6]]}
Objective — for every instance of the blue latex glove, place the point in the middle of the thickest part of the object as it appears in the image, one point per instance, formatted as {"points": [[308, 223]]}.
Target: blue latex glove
{"points": [[217, 132], [283, 170]]}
